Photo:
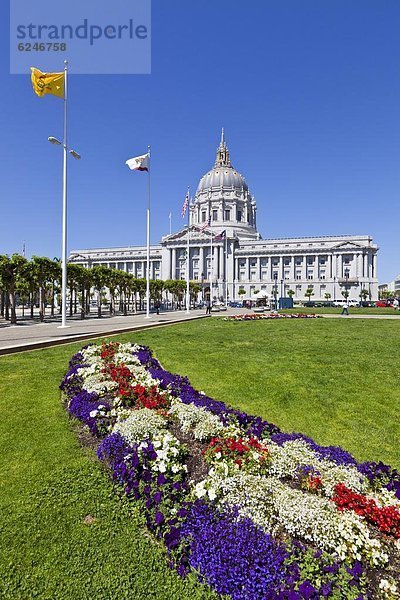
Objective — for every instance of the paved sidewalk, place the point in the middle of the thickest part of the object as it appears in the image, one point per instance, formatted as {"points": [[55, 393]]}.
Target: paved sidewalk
{"points": [[28, 335]]}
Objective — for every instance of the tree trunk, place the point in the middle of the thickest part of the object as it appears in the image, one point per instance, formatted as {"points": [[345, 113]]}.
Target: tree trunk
{"points": [[83, 306], [87, 301], [12, 307], [99, 304], [7, 308], [75, 301], [41, 304], [71, 293], [52, 300], [31, 301]]}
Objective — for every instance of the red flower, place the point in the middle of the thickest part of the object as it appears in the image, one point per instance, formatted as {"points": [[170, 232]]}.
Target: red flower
{"points": [[387, 518]]}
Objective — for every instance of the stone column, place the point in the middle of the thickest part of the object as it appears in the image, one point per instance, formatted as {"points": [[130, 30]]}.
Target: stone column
{"points": [[304, 267], [248, 268], [173, 264]]}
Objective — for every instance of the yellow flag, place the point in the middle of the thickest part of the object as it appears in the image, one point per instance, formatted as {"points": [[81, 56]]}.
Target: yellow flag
{"points": [[47, 83]]}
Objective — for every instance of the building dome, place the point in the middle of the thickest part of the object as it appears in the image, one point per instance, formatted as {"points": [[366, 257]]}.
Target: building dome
{"points": [[222, 176]]}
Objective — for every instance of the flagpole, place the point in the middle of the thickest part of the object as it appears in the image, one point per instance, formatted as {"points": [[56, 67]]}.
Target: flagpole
{"points": [[225, 269], [212, 263], [148, 242], [188, 256], [170, 223], [64, 208]]}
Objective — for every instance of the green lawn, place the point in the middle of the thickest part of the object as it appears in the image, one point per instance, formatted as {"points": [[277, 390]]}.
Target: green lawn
{"points": [[336, 380], [353, 310]]}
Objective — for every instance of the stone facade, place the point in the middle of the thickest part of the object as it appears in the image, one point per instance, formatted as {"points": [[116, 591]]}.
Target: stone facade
{"points": [[223, 227]]}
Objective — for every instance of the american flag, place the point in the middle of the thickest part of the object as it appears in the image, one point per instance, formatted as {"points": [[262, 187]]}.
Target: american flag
{"points": [[221, 236], [185, 205], [206, 224]]}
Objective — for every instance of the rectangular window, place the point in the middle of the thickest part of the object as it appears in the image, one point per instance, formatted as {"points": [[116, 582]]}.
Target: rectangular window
{"points": [[287, 274], [215, 215], [286, 262], [298, 276], [253, 275], [264, 275], [310, 276], [227, 215], [239, 215], [203, 216]]}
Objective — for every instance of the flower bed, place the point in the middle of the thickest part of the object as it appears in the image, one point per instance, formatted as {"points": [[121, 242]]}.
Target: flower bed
{"points": [[269, 316], [255, 512]]}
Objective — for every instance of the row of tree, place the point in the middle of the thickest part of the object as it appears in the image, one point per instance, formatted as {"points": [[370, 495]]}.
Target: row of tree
{"points": [[37, 282]]}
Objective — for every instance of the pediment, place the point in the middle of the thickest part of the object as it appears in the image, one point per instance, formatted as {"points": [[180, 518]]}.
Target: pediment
{"points": [[348, 246], [181, 236]]}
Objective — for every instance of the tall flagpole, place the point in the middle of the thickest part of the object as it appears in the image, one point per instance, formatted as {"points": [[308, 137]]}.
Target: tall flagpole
{"points": [[188, 256], [212, 262], [225, 269], [148, 242], [170, 223], [64, 213]]}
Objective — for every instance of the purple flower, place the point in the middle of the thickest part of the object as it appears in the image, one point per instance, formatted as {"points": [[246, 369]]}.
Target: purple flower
{"points": [[307, 590], [233, 555], [159, 518]]}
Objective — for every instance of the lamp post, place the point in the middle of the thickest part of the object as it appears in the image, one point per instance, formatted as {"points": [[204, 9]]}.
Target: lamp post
{"points": [[281, 289], [276, 290], [77, 156]]}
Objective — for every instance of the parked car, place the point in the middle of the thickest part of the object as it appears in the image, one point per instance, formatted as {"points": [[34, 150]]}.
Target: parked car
{"points": [[218, 306], [383, 303], [233, 304], [354, 303]]}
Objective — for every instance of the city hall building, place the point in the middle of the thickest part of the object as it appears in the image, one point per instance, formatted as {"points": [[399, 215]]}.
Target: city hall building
{"points": [[228, 254]]}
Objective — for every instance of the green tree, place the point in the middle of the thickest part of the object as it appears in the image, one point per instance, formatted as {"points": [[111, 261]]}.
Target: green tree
{"points": [[327, 296], [194, 291], [345, 294], [309, 292], [290, 293], [42, 271], [364, 294], [99, 276], [12, 268]]}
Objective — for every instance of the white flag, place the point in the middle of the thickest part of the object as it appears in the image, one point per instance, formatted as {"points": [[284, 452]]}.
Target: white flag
{"points": [[139, 163]]}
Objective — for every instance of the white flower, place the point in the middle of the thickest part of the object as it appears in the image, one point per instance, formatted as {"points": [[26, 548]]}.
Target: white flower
{"points": [[93, 413], [212, 494], [200, 489]]}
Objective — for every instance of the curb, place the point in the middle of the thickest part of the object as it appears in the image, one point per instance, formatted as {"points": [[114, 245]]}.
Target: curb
{"points": [[91, 336]]}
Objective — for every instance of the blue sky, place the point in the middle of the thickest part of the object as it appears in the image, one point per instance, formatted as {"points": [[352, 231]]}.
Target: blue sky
{"points": [[309, 96]]}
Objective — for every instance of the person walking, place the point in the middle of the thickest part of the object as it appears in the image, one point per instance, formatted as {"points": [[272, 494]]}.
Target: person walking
{"points": [[157, 305], [345, 309], [396, 303], [208, 307]]}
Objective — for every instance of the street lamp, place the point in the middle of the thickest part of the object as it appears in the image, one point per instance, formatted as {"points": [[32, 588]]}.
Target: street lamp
{"points": [[276, 290], [56, 142]]}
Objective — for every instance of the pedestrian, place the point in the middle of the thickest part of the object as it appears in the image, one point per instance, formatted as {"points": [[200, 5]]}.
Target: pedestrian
{"points": [[157, 305], [345, 309], [396, 303], [208, 307]]}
